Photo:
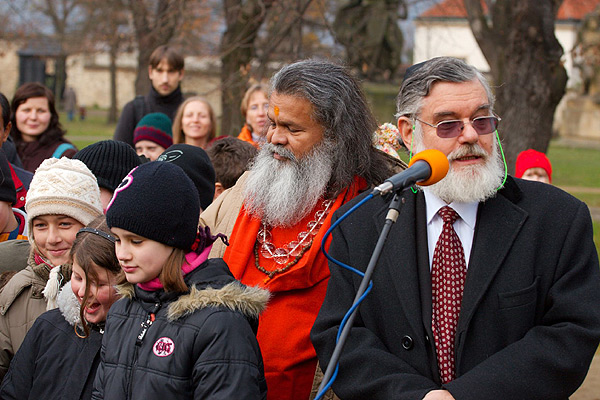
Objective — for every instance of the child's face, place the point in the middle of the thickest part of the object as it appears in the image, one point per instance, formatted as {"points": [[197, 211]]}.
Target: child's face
{"points": [[149, 149], [536, 174], [102, 293], [54, 235], [141, 259], [7, 219]]}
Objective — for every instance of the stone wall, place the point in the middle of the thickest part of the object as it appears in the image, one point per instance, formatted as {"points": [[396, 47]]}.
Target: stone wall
{"points": [[9, 67]]}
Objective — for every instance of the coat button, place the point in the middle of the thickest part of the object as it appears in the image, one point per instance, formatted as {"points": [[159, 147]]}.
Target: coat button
{"points": [[407, 342]]}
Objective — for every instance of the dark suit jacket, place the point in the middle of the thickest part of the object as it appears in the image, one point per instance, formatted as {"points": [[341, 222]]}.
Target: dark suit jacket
{"points": [[530, 318]]}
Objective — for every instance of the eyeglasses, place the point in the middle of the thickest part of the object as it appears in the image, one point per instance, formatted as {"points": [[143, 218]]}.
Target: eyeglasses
{"points": [[453, 128]]}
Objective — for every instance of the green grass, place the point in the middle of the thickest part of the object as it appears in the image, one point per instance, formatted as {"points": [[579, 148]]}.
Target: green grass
{"points": [[93, 129], [573, 166]]}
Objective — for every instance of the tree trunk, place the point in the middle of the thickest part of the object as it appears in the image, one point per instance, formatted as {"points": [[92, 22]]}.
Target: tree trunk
{"points": [[529, 78], [112, 111], [237, 50], [60, 77]]}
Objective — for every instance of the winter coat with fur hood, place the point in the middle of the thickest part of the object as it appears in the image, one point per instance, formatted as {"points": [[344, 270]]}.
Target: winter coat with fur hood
{"points": [[53, 362], [196, 345]]}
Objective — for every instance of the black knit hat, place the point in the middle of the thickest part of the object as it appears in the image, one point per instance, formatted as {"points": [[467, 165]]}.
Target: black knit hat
{"points": [[196, 164], [109, 161], [7, 186], [157, 201]]}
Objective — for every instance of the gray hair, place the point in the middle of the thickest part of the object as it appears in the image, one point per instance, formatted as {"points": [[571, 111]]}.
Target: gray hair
{"points": [[418, 82], [341, 108]]}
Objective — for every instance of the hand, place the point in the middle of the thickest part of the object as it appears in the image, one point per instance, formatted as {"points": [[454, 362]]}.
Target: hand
{"points": [[438, 395]]}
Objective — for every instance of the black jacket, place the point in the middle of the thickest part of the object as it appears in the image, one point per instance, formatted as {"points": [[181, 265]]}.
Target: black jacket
{"points": [[53, 362], [530, 318], [201, 344], [151, 103]]}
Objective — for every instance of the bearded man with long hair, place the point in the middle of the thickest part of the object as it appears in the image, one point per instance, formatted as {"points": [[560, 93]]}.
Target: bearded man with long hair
{"points": [[318, 156]]}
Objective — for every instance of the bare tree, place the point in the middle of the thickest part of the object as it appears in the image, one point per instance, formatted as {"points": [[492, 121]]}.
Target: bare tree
{"points": [[66, 21], [517, 39], [243, 19], [155, 23], [369, 31]]}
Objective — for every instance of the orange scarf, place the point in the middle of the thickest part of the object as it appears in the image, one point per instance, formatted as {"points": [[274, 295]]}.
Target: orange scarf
{"points": [[297, 294], [246, 136]]}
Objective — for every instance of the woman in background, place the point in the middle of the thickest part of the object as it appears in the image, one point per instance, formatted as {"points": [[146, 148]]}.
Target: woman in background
{"points": [[254, 110], [36, 131], [194, 123]]}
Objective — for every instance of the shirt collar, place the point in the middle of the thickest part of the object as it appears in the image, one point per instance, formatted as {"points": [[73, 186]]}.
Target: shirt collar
{"points": [[467, 211]]}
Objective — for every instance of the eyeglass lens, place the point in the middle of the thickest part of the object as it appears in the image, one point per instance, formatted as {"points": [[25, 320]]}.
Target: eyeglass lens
{"points": [[482, 125]]}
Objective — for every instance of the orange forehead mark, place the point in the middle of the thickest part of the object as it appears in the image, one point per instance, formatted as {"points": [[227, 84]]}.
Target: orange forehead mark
{"points": [[276, 110]]}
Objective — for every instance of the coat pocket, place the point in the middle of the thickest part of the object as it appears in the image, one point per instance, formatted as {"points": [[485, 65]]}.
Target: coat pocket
{"points": [[519, 298]]}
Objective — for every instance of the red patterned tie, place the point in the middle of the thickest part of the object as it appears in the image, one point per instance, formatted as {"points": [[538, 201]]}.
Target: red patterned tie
{"points": [[448, 274]]}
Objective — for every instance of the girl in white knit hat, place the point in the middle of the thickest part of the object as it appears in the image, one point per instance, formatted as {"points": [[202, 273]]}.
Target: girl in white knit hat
{"points": [[63, 197]]}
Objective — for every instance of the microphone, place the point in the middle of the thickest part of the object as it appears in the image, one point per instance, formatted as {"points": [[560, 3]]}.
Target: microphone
{"points": [[425, 168]]}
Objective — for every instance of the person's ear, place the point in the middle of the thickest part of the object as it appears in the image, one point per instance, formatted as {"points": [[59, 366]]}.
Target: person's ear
{"points": [[181, 74], [150, 72], [218, 190], [406, 128]]}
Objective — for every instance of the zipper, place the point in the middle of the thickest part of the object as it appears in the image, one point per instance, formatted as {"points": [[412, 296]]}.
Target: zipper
{"points": [[144, 326]]}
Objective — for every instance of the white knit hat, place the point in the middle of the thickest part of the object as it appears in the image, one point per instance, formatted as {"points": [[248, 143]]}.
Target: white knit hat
{"points": [[63, 187]]}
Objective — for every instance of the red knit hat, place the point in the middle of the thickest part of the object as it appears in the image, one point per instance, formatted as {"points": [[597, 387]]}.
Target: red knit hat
{"points": [[532, 159]]}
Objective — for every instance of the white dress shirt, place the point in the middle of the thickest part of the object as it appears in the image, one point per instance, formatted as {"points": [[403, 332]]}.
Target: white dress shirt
{"points": [[464, 226]]}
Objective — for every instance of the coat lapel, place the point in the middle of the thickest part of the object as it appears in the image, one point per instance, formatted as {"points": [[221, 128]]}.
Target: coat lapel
{"points": [[400, 266]]}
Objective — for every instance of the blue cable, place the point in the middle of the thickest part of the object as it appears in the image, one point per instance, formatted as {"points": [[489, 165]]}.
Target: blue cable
{"points": [[341, 264]]}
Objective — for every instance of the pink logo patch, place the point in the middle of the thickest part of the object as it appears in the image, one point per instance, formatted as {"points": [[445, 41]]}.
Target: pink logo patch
{"points": [[163, 347]]}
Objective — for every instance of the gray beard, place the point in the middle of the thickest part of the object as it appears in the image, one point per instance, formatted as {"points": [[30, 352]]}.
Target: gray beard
{"points": [[474, 183], [282, 193]]}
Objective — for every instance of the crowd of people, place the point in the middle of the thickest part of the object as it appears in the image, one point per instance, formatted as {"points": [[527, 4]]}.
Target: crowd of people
{"points": [[171, 262]]}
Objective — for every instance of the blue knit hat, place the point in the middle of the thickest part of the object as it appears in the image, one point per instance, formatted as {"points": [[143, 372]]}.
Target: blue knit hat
{"points": [[155, 127], [159, 202]]}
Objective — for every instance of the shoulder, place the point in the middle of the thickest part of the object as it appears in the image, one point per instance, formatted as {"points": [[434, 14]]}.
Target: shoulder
{"points": [[14, 254], [233, 296], [539, 198], [24, 280]]}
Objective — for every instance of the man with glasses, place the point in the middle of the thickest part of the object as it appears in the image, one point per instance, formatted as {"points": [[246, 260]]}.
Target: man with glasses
{"points": [[488, 286]]}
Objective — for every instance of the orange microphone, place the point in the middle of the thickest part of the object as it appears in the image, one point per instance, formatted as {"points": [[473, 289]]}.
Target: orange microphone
{"points": [[425, 168]]}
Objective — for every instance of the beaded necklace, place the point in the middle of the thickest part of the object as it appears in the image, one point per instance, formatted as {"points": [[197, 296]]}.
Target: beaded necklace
{"points": [[296, 248]]}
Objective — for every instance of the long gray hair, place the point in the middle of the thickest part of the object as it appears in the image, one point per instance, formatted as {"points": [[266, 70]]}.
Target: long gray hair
{"points": [[420, 77], [340, 107]]}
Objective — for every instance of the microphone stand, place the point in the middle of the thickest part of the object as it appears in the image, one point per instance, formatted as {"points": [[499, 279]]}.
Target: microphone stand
{"points": [[391, 217]]}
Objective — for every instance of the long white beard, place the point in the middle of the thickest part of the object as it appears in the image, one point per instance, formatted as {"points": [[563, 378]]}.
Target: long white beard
{"points": [[281, 193], [468, 184]]}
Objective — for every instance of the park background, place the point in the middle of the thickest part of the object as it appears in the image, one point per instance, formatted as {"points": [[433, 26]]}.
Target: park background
{"points": [[542, 57]]}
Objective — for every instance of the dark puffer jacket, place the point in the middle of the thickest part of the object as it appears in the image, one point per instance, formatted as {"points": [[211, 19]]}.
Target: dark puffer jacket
{"points": [[53, 362], [201, 345]]}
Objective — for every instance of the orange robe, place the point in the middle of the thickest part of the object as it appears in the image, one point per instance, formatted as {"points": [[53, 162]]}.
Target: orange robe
{"points": [[297, 295]]}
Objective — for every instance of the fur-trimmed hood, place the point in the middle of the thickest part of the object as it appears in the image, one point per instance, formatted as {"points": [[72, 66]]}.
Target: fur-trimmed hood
{"points": [[68, 305], [248, 300]]}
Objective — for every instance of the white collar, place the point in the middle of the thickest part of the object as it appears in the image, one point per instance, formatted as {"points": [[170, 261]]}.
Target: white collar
{"points": [[467, 211]]}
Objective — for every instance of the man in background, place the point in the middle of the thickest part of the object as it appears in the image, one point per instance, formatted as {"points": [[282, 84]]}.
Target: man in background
{"points": [[166, 71]]}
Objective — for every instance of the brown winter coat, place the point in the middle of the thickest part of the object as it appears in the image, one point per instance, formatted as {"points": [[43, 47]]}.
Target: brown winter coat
{"points": [[21, 302]]}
